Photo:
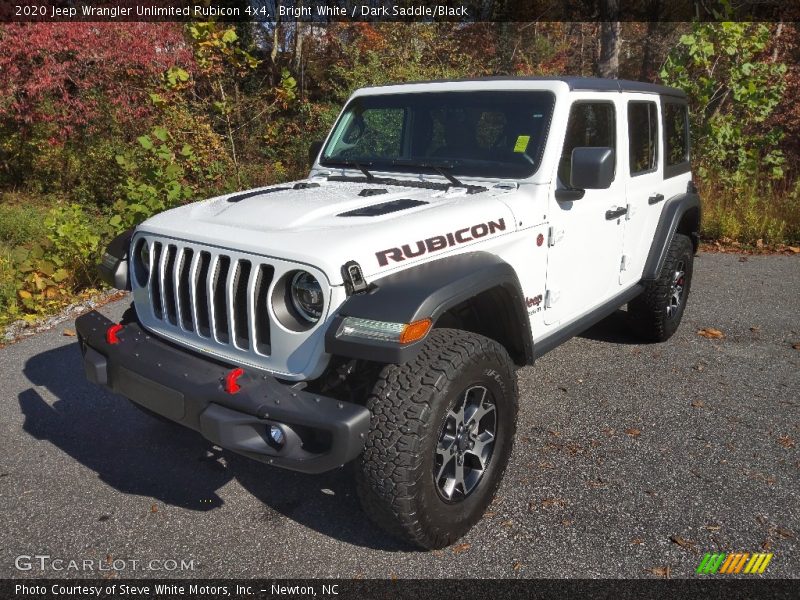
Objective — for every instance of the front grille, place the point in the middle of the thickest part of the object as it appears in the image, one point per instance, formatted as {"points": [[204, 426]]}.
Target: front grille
{"points": [[206, 296]]}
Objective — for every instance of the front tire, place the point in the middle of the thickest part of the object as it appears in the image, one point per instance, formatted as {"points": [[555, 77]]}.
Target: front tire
{"points": [[441, 434], [657, 312]]}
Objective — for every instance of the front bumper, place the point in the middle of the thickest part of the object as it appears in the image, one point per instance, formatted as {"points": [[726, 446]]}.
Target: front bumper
{"points": [[321, 433]]}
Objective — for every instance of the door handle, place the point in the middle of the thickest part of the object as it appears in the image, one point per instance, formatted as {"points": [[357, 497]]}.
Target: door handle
{"points": [[655, 198], [614, 214]]}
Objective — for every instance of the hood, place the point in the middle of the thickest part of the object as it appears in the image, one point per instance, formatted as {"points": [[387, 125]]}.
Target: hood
{"points": [[328, 223]]}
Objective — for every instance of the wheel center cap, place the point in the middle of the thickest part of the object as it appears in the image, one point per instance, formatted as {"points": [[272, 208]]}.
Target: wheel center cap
{"points": [[462, 442]]}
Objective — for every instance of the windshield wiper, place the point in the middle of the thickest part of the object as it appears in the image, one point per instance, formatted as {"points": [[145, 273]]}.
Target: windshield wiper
{"points": [[440, 167], [361, 166]]}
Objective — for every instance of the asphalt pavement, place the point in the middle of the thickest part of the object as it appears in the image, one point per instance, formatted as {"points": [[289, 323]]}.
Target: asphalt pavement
{"points": [[630, 460]]}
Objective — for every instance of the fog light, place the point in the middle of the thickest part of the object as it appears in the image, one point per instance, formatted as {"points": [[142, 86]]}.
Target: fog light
{"points": [[276, 435]]}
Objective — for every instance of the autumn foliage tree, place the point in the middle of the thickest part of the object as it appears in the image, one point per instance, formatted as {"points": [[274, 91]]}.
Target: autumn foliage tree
{"points": [[77, 89]]}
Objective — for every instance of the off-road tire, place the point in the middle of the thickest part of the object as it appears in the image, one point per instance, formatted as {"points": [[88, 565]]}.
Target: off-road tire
{"points": [[412, 405], [657, 312]]}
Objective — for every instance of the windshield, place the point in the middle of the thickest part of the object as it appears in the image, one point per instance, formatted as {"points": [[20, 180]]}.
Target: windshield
{"points": [[483, 134]]}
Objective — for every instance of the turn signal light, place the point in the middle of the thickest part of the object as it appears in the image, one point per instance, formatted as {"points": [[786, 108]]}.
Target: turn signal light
{"points": [[415, 331], [230, 384], [111, 334]]}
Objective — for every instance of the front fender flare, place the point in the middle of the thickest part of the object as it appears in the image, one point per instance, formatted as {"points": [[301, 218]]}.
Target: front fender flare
{"points": [[426, 291]]}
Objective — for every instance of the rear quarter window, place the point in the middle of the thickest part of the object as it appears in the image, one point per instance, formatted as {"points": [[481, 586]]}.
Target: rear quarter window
{"points": [[676, 138]]}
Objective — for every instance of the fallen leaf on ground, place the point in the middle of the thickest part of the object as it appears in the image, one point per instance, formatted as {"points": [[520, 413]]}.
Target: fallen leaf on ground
{"points": [[784, 532], [755, 329], [461, 548], [596, 483], [154, 509], [796, 346], [633, 432], [548, 502], [567, 522], [698, 404], [786, 441], [793, 249], [742, 259], [69, 332], [660, 571], [766, 544], [711, 333], [683, 543], [508, 523], [637, 541], [712, 527], [517, 566]]}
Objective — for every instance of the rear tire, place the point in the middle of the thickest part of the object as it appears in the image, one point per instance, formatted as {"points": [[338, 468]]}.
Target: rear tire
{"points": [[657, 312], [441, 434]]}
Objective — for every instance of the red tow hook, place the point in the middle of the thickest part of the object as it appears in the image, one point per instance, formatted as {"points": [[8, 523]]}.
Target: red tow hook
{"points": [[230, 383], [111, 333]]}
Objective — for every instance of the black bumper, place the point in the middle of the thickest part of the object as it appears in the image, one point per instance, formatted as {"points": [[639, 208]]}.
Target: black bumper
{"points": [[320, 433]]}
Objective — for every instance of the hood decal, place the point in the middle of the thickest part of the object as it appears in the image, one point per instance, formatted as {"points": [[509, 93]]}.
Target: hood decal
{"points": [[439, 242]]}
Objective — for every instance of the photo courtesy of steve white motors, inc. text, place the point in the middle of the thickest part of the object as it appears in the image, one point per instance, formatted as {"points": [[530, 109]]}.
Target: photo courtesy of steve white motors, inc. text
{"points": [[148, 590]]}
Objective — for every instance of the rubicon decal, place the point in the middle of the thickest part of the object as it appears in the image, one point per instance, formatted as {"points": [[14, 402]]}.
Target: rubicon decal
{"points": [[439, 242], [734, 563]]}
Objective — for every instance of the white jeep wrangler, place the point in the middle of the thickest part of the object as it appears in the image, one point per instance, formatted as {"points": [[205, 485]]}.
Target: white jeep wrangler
{"points": [[448, 232]]}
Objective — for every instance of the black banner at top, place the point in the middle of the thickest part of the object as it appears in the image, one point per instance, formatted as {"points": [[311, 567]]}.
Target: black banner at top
{"points": [[324, 11]]}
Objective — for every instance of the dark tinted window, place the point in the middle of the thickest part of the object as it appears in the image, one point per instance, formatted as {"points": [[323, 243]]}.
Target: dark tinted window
{"points": [[591, 124], [676, 129], [490, 134], [642, 136]]}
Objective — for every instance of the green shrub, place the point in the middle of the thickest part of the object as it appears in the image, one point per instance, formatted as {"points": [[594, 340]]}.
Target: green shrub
{"points": [[21, 224]]}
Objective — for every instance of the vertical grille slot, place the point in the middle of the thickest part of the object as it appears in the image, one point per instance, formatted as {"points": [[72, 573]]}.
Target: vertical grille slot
{"points": [[201, 294], [183, 284], [168, 284], [260, 313], [240, 310], [155, 281], [219, 303]]}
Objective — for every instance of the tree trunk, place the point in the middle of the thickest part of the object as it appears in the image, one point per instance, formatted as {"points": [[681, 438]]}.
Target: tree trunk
{"points": [[610, 40]]}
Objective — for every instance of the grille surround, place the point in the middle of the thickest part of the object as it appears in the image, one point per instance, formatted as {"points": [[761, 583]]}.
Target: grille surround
{"points": [[220, 301]]}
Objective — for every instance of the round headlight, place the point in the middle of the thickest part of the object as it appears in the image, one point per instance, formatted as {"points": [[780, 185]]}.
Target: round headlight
{"points": [[307, 296]]}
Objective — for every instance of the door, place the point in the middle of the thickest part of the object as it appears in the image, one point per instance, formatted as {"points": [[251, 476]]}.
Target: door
{"points": [[644, 191], [585, 241]]}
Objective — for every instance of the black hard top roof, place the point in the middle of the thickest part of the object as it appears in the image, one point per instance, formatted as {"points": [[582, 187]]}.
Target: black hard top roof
{"points": [[594, 84]]}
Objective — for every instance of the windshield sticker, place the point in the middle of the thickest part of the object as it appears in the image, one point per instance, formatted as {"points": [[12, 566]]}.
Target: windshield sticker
{"points": [[522, 143]]}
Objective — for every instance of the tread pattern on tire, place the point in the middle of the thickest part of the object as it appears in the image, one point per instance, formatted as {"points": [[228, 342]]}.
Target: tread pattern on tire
{"points": [[401, 404], [647, 312]]}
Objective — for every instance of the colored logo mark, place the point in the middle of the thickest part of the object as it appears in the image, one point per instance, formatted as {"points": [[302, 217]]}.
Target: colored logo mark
{"points": [[729, 564]]}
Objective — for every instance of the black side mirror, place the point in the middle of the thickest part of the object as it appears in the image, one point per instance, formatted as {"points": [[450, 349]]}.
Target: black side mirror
{"points": [[592, 168], [313, 152]]}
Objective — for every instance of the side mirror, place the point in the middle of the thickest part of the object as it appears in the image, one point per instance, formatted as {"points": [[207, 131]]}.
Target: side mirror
{"points": [[592, 168], [313, 152]]}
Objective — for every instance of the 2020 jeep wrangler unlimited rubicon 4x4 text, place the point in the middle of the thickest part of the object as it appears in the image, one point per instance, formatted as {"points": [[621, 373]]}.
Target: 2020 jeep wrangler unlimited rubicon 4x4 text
{"points": [[447, 233]]}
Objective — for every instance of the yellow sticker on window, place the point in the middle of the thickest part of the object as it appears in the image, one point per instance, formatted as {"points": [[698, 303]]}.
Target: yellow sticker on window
{"points": [[522, 143]]}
